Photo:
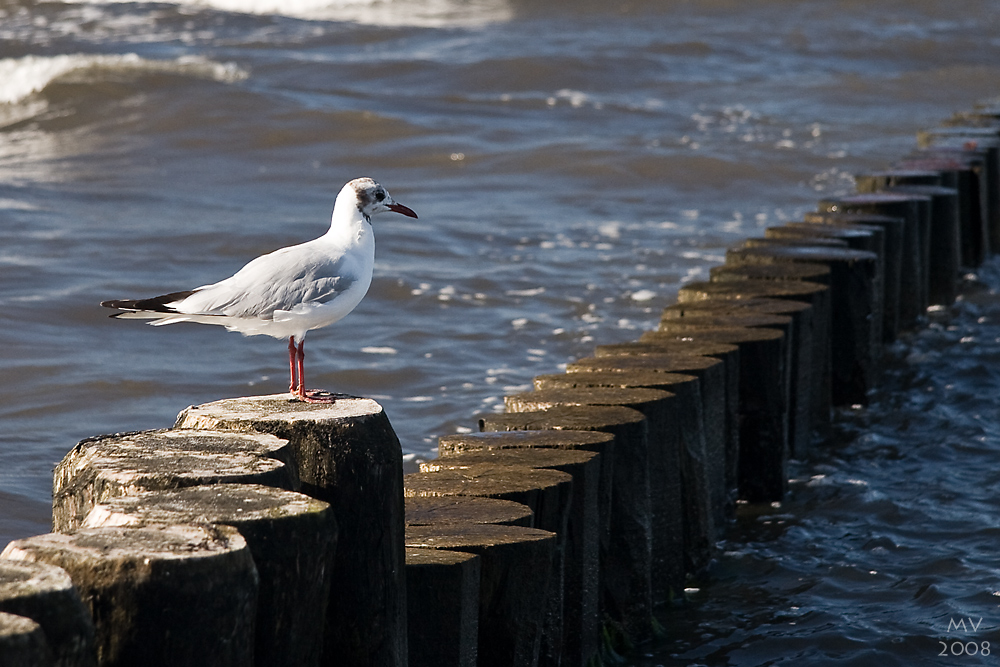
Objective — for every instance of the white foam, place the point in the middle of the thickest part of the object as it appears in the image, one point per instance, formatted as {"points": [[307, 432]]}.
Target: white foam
{"points": [[424, 13], [22, 77]]}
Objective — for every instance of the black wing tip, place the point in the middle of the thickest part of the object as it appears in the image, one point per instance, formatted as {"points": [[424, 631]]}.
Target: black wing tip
{"points": [[156, 304]]}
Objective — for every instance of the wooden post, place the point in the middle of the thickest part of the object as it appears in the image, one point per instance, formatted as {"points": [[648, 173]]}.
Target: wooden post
{"points": [[547, 492], [348, 456], [729, 355], [703, 465], [590, 441], [943, 243], [940, 241], [856, 314], [887, 178], [585, 533], [515, 567], [291, 537], [857, 237], [582, 535], [815, 240], [750, 282], [442, 597], [762, 461], [45, 594], [893, 229], [806, 384], [430, 511], [907, 207], [690, 424], [961, 172], [625, 560], [99, 469], [983, 141], [161, 595], [22, 642], [816, 273], [664, 462]]}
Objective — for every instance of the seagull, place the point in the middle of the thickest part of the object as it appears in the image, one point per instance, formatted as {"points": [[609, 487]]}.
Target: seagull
{"points": [[290, 291]]}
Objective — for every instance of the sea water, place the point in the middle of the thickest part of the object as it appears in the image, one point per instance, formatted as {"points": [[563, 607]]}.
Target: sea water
{"points": [[573, 164]]}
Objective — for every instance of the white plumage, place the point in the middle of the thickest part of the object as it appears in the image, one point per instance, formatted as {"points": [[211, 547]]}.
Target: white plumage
{"points": [[290, 291]]}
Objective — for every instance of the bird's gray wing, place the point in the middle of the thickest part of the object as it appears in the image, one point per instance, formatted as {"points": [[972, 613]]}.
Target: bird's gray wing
{"points": [[279, 281]]}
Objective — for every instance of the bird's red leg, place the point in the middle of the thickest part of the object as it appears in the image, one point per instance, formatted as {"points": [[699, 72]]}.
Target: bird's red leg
{"points": [[313, 395], [293, 384]]}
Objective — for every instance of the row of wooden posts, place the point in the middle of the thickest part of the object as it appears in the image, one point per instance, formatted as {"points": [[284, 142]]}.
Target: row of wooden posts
{"points": [[263, 531]]}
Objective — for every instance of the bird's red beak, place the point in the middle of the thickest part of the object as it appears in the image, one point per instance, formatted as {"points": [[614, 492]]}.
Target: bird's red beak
{"points": [[399, 208]]}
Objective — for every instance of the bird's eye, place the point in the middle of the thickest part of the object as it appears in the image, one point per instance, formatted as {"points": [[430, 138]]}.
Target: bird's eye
{"points": [[380, 195]]}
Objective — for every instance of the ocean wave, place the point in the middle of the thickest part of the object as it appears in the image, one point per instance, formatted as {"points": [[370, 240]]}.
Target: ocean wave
{"points": [[418, 13], [22, 77]]}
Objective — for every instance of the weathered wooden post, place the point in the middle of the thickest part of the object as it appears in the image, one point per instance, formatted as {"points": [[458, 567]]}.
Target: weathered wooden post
{"points": [[160, 595], [45, 594], [348, 456], [856, 315], [808, 383], [442, 597], [892, 258], [99, 469], [962, 172], [664, 461], [22, 642], [588, 524], [548, 492], [911, 209], [291, 537], [515, 568], [580, 537], [625, 559]]}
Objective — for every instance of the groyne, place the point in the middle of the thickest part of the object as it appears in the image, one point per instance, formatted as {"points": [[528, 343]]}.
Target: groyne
{"points": [[264, 531]]}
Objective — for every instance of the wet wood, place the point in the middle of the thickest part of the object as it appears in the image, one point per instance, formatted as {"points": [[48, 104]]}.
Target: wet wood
{"points": [[981, 141], [515, 568], [808, 383], [291, 537], [893, 230], [442, 596], [703, 457], [348, 456], [747, 282], [943, 247], [856, 237], [626, 587], [586, 643], [961, 172], [816, 240], [160, 595], [45, 594], [582, 536], [855, 314], [816, 273], [922, 204], [549, 495], [729, 355], [663, 461], [762, 460], [911, 275]]}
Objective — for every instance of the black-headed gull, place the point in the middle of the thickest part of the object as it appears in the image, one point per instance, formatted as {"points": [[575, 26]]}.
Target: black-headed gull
{"points": [[290, 291]]}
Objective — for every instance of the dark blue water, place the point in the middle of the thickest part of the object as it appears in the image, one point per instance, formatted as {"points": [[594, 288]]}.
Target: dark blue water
{"points": [[885, 550], [572, 163]]}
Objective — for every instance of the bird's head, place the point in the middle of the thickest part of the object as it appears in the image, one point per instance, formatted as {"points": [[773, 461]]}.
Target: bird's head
{"points": [[371, 198]]}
